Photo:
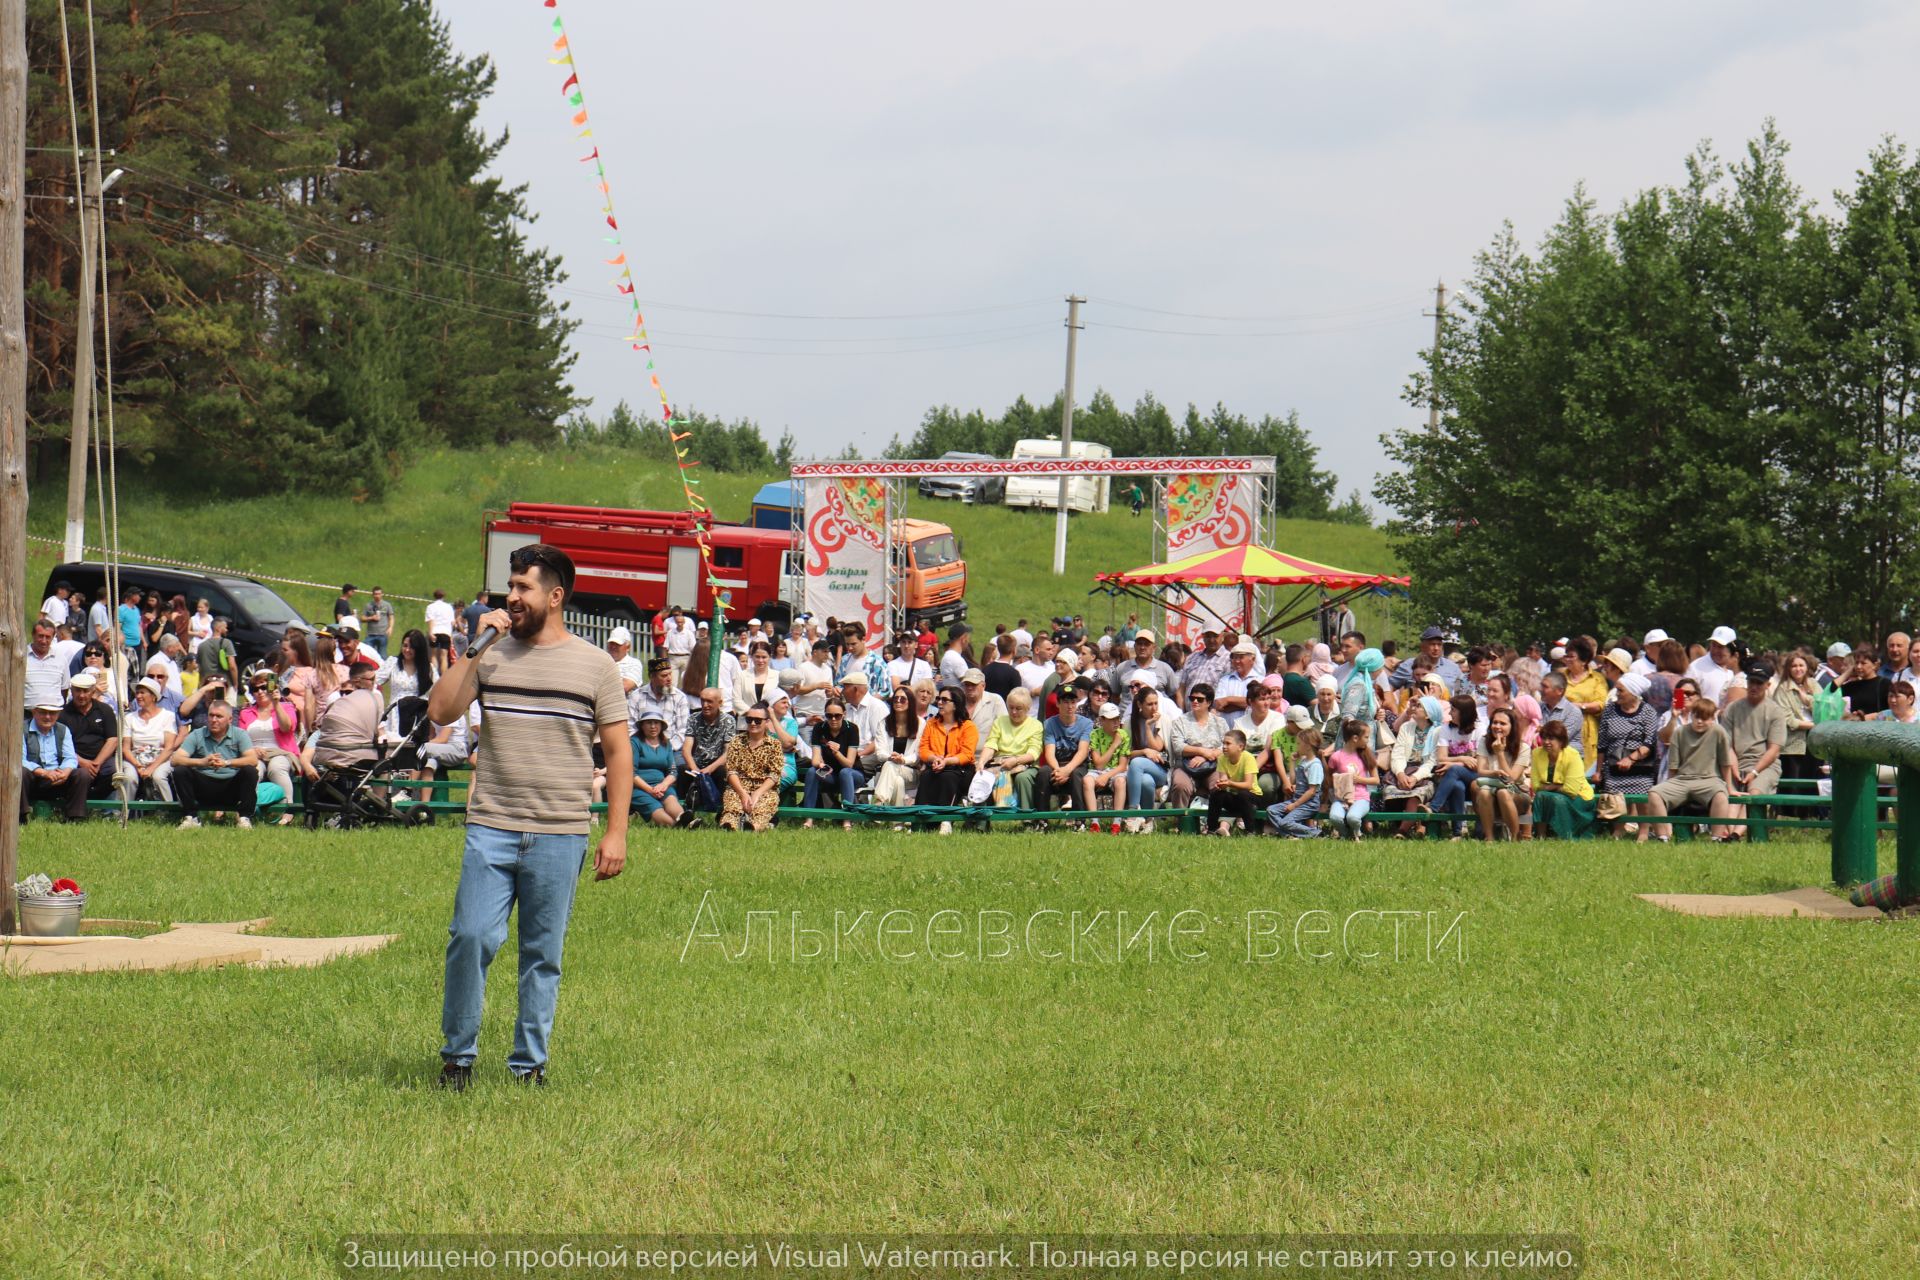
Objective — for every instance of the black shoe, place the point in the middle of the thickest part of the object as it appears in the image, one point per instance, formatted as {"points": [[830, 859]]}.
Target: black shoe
{"points": [[693, 822], [686, 819], [455, 1077], [536, 1077]]}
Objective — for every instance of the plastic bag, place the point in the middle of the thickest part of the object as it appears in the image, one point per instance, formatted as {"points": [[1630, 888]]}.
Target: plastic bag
{"points": [[1829, 704]]}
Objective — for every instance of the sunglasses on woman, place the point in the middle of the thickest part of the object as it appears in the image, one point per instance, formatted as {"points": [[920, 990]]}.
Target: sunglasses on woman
{"points": [[759, 719]]}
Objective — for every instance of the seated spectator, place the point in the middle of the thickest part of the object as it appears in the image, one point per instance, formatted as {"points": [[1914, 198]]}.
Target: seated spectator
{"points": [[1236, 783], [1195, 746], [1459, 750], [703, 751], [1629, 745], [153, 734], [1111, 746], [1503, 783], [96, 740], [1354, 760], [785, 726], [836, 760], [1013, 746], [1562, 796], [1408, 782], [1149, 763], [1756, 728], [1699, 767], [753, 774], [1298, 815], [948, 745], [1065, 752], [899, 772], [217, 766], [51, 764], [273, 724]]}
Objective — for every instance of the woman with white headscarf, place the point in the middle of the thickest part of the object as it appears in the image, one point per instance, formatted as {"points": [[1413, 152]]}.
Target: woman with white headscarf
{"points": [[1628, 745]]}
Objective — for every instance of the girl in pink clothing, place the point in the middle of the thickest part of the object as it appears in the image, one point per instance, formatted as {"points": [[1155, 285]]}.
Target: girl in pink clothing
{"points": [[1356, 761]]}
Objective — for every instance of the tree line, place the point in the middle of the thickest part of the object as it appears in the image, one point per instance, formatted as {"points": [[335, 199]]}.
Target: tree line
{"points": [[1301, 489], [1700, 408], [312, 271]]}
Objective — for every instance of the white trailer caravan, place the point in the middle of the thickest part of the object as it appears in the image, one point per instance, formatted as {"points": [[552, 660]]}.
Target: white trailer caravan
{"points": [[1084, 493]]}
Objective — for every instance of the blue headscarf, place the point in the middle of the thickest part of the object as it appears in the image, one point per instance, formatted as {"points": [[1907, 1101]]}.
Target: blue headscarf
{"points": [[1365, 663], [1436, 716]]}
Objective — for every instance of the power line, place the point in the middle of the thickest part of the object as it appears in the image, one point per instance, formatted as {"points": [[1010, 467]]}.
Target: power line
{"points": [[1397, 302], [1274, 333]]}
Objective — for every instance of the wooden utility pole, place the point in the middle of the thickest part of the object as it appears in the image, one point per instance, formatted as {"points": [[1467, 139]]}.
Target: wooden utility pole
{"points": [[1066, 434], [75, 548], [13, 436], [1433, 377]]}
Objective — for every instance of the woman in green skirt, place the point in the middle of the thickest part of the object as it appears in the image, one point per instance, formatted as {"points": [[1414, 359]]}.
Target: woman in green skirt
{"points": [[1562, 796]]}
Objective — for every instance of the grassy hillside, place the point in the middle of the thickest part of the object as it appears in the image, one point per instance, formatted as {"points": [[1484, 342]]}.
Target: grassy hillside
{"points": [[427, 534]]}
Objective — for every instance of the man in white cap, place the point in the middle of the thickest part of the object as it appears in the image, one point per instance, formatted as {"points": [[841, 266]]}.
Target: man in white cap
{"points": [[620, 648], [1644, 665], [1839, 662], [978, 704], [1230, 694], [96, 741], [51, 766], [868, 714], [1714, 668]]}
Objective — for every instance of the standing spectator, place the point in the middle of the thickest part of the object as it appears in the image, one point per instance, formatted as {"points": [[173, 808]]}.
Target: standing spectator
{"points": [[908, 668], [439, 617], [620, 649], [99, 616], [861, 657], [55, 608], [816, 683], [376, 622], [1713, 669], [1037, 666], [1586, 690], [217, 658], [678, 639], [759, 682], [1795, 694], [50, 762], [216, 765], [658, 697], [1208, 663], [130, 623], [66, 646], [1898, 643], [343, 606], [1000, 675], [47, 675], [948, 745], [96, 741], [981, 706], [199, 625], [1837, 666], [959, 653], [1865, 689], [471, 614]]}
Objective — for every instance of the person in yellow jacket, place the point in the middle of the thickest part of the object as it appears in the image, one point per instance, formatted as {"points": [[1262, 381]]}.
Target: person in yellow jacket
{"points": [[1562, 796]]}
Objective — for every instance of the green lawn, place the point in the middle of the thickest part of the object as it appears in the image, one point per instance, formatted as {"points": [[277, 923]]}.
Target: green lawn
{"points": [[427, 533], [1692, 1097]]}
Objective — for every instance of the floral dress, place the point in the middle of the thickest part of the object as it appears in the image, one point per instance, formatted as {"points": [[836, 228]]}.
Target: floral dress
{"points": [[752, 765]]}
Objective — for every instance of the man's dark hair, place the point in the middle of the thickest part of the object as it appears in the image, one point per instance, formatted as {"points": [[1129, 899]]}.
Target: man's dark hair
{"points": [[346, 588], [1477, 654], [1388, 648], [553, 566], [1357, 637], [1004, 643]]}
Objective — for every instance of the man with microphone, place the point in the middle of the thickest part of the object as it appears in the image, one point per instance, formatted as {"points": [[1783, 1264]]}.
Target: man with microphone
{"points": [[545, 697]]}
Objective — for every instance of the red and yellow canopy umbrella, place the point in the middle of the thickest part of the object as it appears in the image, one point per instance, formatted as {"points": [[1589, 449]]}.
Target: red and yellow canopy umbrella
{"points": [[1247, 567]]}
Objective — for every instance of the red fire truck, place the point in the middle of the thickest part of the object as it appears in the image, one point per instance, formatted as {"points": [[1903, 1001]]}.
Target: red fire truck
{"points": [[630, 565]]}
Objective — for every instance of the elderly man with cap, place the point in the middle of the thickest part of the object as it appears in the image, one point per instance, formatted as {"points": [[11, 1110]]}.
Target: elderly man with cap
{"points": [[662, 697], [620, 649], [979, 705], [96, 741], [1644, 665], [1230, 696], [1837, 667], [50, 763], [1141, 661], [1433, 643], [868, 714], [1715, 668], [1207, 663], [217, 765]]}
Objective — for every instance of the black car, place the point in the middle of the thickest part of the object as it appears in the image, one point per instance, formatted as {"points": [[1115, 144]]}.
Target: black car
{"points": [[965, 488], [258, 618]]}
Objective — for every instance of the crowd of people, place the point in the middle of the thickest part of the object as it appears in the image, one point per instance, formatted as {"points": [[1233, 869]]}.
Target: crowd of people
{"points": [[1109, 732]]}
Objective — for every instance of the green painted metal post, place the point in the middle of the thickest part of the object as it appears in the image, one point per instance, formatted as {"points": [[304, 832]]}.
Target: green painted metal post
{"points": [[1854, 821], [1907, 839], [716, 638]]}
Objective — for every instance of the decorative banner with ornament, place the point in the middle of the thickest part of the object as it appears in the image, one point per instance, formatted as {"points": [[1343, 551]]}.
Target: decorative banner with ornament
{"points": [[845, 543], [1209, 513]]}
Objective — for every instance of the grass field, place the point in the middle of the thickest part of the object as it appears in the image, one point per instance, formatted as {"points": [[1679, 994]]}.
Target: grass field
{"points": [[1691, 1097], [427, 533]]}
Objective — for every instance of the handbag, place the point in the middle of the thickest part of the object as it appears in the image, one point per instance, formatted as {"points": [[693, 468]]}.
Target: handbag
{"points": [[1003, 790], [1343, 787], [1608, 806]]}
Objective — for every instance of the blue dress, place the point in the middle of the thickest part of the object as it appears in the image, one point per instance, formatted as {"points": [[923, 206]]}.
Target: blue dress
{"points": [[652, 764]]}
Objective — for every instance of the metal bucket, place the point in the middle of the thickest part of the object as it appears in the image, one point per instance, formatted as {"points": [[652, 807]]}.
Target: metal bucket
{"points": [[52, 917]]}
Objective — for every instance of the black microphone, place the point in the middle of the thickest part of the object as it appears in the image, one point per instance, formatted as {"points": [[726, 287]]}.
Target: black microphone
{"points": [[479, 646]]}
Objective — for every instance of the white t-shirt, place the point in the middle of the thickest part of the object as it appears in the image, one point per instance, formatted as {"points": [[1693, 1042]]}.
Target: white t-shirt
{"points": [[952, 665], [148, 737], [439, 618], [1462, 748], [55, 609], [813, 702], [679, 639], [1022, 636], [1712, 679], [1034, 674], [729, 672], [907, 670], [1257, 735], [46, 679], [65, 649]]}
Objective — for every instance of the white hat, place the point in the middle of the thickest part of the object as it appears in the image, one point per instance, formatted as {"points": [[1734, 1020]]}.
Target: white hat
{"points": [[755, 622], [973, 675], [1143, 634], [1298, 715], [1111, 711], [1247, 646], [856, 676], [347, 624], [704, 626], [85, 680], [620, 635], [1151, 679], [1557, 652], [152, 687], [1069, 657], [1621, 660], [1722, 635], [44, 705], [1326, 682], [1839, 649], [1654, 637]]}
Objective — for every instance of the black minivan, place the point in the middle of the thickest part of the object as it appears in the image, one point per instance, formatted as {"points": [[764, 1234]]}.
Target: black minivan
{"points": [[258, 617]]}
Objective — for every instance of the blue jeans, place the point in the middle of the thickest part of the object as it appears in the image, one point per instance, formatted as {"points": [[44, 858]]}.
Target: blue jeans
{"points": [[1298, 823], [819, 780], [1348, 819], [1144, 777], [1450, 792], [376, 643], [498, 868]]}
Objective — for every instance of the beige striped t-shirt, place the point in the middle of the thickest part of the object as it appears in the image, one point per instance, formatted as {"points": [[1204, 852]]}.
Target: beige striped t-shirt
{"points": [[541, 708]]}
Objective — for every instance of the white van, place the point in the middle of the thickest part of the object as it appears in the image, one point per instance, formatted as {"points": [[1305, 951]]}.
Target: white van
{"points": [[1084, 493]]}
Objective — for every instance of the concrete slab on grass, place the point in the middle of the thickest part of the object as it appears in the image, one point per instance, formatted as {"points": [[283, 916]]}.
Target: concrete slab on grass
{"points": [[1811, 902], [185, 946]]}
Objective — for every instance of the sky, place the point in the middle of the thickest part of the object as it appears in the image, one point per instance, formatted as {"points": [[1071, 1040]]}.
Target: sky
{"points": [[840, 215]]}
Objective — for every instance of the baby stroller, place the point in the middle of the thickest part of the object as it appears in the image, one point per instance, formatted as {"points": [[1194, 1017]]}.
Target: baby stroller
{"points": [[342, 797]]}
